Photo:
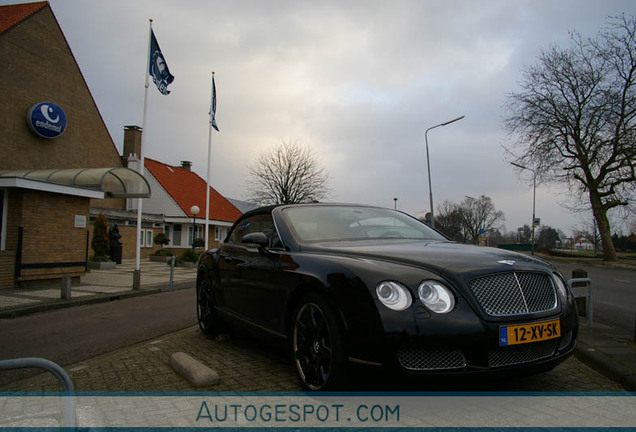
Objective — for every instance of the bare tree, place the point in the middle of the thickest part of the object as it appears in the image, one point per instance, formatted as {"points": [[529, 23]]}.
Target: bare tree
{"points": [[480, 213], [463, 222], [511, 237], [591, 234], [287, 174], [449, 220], [574, 119]]}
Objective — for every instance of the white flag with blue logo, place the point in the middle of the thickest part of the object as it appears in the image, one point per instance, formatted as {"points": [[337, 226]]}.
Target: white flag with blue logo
{"points": [[158, 69]]}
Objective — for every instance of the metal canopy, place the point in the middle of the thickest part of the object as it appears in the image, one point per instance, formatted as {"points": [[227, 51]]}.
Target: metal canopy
{"points": [[114, 182]]}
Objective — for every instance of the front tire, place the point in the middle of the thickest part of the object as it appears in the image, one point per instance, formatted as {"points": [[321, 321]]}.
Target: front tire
{"points": [[209, 322], [317, 347]]}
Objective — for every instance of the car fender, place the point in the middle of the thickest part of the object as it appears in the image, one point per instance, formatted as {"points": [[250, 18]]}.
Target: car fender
{"points": [[348, 284]]}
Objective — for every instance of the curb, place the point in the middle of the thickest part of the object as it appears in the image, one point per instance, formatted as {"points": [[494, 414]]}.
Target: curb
{"points": [[606, 365], [45, 306]]}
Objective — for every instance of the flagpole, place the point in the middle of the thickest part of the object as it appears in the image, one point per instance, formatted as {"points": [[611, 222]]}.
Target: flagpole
{"points": [[207, 189], [137, 272]]}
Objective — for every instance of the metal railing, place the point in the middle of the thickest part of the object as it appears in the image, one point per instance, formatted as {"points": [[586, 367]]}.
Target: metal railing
{"points": [[68, 411], [582, 288]]}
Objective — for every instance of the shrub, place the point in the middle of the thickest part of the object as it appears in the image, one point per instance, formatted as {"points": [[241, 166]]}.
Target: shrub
{"points": [[100, 243], [163, 252], [161, 239], [198, 243], [189, 255]]}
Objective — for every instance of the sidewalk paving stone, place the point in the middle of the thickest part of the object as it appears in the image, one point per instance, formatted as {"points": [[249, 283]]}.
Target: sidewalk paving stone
{"points": [[246, 365]]}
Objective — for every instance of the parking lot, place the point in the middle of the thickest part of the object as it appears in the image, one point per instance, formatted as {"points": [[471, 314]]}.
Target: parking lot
{"points": [[245, 365]]}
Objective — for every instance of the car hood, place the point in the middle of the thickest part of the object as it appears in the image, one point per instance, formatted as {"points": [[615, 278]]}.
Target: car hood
{"points": [[439, 257]]}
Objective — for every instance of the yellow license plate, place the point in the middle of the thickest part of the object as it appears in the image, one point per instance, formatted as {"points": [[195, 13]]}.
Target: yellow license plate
{"points": [[528, 333]]}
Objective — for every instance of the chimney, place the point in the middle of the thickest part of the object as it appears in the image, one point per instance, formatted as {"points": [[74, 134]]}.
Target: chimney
{"points": [[186, 165], [132, 141]]}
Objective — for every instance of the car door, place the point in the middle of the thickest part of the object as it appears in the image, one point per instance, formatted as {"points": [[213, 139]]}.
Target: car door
{"points": [[250, 275]]}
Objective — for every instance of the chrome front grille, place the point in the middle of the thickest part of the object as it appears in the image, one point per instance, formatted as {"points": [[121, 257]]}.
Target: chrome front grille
{"points": [[514, 293], [434, 358]]}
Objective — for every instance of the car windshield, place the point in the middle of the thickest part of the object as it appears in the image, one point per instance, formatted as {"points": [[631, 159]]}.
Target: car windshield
{"points": [[334, 223]]}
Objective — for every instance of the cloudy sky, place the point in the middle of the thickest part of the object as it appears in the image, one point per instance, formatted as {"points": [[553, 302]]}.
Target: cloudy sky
{"points": [[357, 81]]}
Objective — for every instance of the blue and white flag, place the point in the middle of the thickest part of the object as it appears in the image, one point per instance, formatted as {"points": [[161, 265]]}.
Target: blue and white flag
{"points": [[213, 106], [158, 69]]}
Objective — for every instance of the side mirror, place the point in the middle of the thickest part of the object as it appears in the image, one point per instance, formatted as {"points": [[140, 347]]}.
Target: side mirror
{"points": [[257, 238]]}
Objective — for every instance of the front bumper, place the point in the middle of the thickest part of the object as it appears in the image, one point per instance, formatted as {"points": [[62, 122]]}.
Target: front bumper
{"points": [[462, 343]]}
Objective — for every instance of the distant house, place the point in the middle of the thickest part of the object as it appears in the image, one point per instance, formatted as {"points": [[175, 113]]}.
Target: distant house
{"points": [[243, 206], [175, 190], [581, 243]]}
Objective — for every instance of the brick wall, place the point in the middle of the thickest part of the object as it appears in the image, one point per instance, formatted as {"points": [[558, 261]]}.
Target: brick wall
{"points": [[7, 267], [36, 65], [8, 256], [50, 235]]}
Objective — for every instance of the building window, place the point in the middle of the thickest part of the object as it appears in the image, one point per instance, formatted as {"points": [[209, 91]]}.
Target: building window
{"points": [[198, 233], [145, 238], [220, 233], [176, 235]]}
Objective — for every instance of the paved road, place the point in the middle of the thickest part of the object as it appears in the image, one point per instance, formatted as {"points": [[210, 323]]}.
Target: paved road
{"points": [[72, 335], [614, 292]]}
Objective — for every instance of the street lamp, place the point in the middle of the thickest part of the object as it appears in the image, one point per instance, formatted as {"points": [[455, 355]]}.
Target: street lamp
{"points": [[428, 163], [534, 195], [195, 211]]}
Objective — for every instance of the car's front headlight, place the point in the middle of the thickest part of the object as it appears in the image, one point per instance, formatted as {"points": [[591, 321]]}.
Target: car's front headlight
{"points": [[436, 297], [393, 295], [560, 284]]}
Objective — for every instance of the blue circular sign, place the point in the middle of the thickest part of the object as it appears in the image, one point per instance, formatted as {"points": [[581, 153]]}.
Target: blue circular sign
{"points": [[46, 119]]}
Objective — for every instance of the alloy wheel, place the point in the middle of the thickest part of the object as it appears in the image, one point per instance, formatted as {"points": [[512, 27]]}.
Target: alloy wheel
{"points": [[312, 345], [204, 307]]}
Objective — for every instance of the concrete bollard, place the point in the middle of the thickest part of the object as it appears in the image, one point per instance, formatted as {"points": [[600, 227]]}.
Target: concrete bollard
{"points": [[172, 261], [66, 288], [136, 285], [198, 374]]}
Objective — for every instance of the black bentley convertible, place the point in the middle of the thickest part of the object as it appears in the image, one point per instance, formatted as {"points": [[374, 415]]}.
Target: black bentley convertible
{"points": [[347, 284]]}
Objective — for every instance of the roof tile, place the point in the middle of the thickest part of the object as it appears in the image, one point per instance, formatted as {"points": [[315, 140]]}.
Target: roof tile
{"points": [[188, 189], [12, 15]]}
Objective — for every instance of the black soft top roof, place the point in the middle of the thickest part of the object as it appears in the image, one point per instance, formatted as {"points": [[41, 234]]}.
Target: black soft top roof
{"points": [[261, 210]]}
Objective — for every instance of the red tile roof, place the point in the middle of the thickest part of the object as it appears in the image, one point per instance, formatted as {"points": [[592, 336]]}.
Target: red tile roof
{"points": [[187, 189], [11, 15]]}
